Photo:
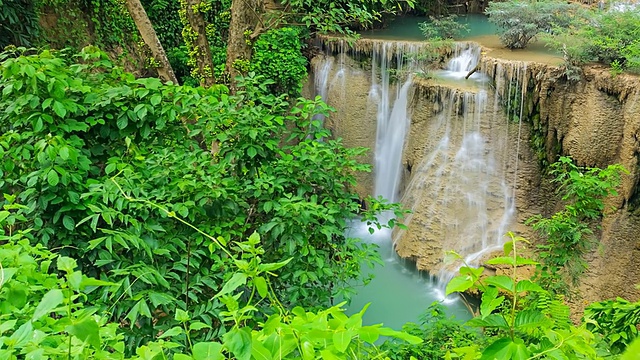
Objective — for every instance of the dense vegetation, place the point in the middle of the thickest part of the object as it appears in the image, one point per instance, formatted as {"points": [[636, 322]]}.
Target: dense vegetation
{"points": [[581, 35], [146, 220]]}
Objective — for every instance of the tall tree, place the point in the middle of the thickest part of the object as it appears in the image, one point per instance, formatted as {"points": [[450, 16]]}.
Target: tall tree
{"points": [[195, 36], [244, 27], [139, 15]]}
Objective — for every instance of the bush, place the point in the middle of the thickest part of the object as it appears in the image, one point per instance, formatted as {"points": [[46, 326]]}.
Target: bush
{"points": [[440, 336], [446, 27], [521, 21], [277, 55]]}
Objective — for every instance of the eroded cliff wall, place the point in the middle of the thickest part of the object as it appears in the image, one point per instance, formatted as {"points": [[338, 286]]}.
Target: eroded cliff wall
{"points": [[596, 121]]}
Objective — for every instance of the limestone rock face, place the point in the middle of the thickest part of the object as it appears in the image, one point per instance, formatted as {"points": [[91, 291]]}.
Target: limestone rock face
{"points": [[596, 121]]}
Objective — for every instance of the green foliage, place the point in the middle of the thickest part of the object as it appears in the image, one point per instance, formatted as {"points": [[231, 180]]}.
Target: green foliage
{"points": [[519, 326], [81, 141], [43, 309], [521, 21], [277, 55], [445, 27], [607, 37], [616, 38], [440, 336], [616, 321], [105, 23], [43, 312], [341, 17], [18, 23], [568, 233]]}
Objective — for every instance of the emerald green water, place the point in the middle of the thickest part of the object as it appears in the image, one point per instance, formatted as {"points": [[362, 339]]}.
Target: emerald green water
{"points": [[398, 293], [481, 31], [407, 28]]}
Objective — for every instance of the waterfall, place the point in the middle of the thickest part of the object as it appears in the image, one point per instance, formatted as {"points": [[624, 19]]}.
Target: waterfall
{"points": [[461, 187], [462, 192], [465, 58]]}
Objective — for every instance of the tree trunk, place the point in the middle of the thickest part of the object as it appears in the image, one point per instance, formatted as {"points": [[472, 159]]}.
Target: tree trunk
{"points": [[165, 72], [195, 36], [244, 27]]}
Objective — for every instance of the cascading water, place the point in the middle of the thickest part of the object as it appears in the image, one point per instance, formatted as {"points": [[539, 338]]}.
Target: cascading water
{"points": [[397, 285], [462, 192], [392, 119]]}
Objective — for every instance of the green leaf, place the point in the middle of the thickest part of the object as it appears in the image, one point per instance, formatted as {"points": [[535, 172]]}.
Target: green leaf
{"points": [[238, 341], [369, 334], [492, 321], [260, 352], [207, 351], [459, 284], [342, 339], [327, 354], [6, 274], [632, 351], [520, 261], [273, 266], [501, 281], [87, 331], [252, 152], [501, 260], [503, 349], [527, 285], [64, 153], [50, 301], [4, 215], [68, 222], [110, 168], [198, 325], [507, 247], [261, 286], [237, 280], [174, 331], [475, 273], [528, 320], [122, 122], [400, 335], [490, 301], [7, 325], [67, 264], [59, 109], [52, 178], [155, 99], [308, 351], [182, 316], [22, 335]]}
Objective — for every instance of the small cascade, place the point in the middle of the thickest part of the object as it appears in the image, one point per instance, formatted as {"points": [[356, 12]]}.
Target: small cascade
{"points": [[392, 101], [462, 193], [465, 58]]}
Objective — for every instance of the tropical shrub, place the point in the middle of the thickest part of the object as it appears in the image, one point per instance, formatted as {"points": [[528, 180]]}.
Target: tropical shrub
{"points": [[277, 55], [18, 23], [521, 21], [519, 324], [44, 312], [616, 320], [445, 27], [568, 233], [608, 37], [440, 336]]}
